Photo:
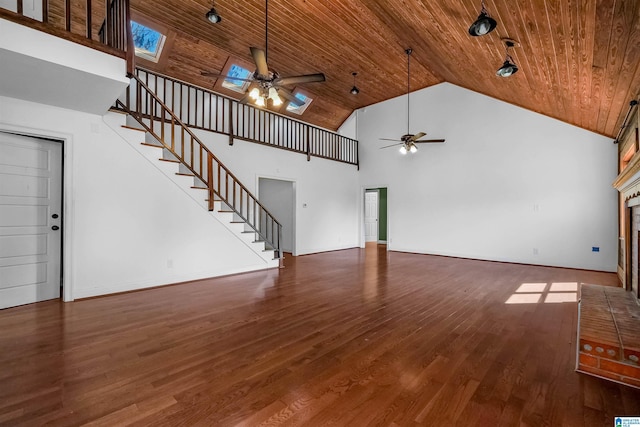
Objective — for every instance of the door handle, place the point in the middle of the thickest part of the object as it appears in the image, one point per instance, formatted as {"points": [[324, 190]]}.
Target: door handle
{"points": [[55, 227]]}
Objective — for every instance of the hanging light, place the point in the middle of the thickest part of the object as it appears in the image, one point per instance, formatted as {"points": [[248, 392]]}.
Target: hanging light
{"points": [[273, 96], [413, 148], [212, 15], [254, 94], [354, 89], [260, 102], [403, 149], [509, 67], [484, 24]]}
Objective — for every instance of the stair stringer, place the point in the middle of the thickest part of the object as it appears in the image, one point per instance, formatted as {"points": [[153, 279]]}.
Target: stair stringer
{"points": [[142, 142]]}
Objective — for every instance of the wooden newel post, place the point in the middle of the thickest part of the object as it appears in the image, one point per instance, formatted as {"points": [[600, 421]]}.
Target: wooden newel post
{"points": [[210, 180], [131, 53]]}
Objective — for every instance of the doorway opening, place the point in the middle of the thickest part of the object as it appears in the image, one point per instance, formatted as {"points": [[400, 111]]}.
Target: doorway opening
{"points": [[375, 215], [279, 197]]}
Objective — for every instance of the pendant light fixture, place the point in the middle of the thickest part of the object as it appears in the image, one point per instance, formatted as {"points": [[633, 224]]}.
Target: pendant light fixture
{"points": [[354, 89], [265, 93], [484, 24], [509, 67], [212, 15], [408, 146]]}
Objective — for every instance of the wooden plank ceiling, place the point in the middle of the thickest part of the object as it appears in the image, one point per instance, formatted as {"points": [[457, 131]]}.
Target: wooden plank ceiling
{"points": [[578, 59]]}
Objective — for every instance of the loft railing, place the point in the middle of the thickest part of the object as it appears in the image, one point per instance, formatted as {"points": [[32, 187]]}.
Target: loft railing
{"points": [[200, 108], [100, 21], [167, 128]]}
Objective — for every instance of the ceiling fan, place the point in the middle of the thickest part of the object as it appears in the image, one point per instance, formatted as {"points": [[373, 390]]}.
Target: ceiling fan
{"points": [[408, 141], [267, 84]]}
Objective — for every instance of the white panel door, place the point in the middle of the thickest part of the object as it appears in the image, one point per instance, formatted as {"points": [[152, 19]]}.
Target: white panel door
{"points": [[371, 216], [30, 219]]}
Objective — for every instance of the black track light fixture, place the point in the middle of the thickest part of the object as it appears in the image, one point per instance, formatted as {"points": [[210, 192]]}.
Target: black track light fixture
{"points": [[354, 89], [484, 24], [213, 15], [509, 67]]}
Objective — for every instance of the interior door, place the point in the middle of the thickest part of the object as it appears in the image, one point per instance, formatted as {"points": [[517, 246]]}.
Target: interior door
{"points": [[30, 219], [371, 215]]}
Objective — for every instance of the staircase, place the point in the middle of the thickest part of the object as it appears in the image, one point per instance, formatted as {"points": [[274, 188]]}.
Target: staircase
{"points": [[166, 141]]}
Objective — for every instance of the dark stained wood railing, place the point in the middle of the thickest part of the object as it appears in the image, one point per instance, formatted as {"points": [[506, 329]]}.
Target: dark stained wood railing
{"points": [[203, 109], [99, 21], [158, 118]]}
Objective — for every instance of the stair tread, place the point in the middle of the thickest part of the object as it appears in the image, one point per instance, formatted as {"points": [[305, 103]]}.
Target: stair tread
{"points": [[247, 232], [151, 145], [200, 188], [132, 128], [237, 222], [169, 160], [184, 174], [226, 211]]}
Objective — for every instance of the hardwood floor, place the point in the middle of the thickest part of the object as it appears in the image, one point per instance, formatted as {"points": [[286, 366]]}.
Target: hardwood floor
{"points": [[347, 338]]}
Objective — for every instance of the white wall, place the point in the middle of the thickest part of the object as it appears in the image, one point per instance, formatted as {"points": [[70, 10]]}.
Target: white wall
{"points": [[327, 206], [39, 67], [507, 183], [126, 225]]}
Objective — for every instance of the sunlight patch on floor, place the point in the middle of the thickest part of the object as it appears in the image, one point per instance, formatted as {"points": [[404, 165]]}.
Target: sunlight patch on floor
{"points": [[547, 293]]}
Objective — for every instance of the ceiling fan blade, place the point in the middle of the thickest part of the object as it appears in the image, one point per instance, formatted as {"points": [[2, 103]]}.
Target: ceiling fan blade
{"points": [[428, 140], [388, 139], [307, 78], [392, 145], [260, 58], [417, 136], [289, 96]]}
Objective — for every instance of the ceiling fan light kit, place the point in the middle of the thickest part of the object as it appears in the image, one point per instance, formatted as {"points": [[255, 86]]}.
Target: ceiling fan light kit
{"points": [[484, 24], [266, 84]]}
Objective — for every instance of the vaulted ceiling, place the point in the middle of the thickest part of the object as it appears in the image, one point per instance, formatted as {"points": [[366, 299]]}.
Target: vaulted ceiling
{"points": [[579, 59]]}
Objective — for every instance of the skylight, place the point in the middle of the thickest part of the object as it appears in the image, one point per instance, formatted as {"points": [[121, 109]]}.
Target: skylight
{"points": [[147, 41], [239, 86], [299, 109]]}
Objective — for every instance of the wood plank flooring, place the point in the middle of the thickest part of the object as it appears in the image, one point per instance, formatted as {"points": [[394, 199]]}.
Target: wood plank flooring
{"points": [[346, 338]]}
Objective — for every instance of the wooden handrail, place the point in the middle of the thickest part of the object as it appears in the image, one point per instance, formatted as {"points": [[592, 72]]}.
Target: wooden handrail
{"points": [[236, 202], [228, 116]]}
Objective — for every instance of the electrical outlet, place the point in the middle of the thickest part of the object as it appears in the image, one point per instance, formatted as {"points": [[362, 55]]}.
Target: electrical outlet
{"points": [[169, 263], [535, 251]]}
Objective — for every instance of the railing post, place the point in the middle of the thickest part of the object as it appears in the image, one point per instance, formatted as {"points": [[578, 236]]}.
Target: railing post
{"points": [[280, 254], [45, 11], [210, 180], [89, 30], [130, 54], [230, 122], [308, 144], [67, 15]]}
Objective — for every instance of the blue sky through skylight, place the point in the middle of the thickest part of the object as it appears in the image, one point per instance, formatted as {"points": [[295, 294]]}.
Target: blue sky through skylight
{"points": [[145, 39], [299, 109], [233, 84]]}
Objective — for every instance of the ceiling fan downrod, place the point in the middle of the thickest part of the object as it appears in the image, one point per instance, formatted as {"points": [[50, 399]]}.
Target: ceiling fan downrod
{"points": [[408, 51]]}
